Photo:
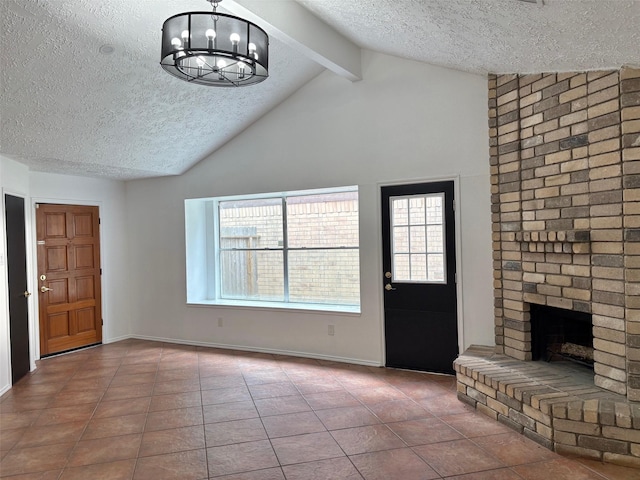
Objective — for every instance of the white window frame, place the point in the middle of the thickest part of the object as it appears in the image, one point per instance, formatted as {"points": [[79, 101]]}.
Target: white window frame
{"points": [[203, 253], [427, 252]]}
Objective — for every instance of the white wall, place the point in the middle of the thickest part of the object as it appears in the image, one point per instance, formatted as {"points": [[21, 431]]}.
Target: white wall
{"points": [[404, 122], [109, 195]]}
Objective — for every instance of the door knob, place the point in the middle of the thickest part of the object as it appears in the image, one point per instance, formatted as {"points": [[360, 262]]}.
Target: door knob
{"points": [[44, 289], [387, 275], [388, 287], [27, 294]]}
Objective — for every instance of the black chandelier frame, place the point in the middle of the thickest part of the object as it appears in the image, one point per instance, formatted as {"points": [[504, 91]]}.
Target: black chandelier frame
{"points": [[215, 49]]}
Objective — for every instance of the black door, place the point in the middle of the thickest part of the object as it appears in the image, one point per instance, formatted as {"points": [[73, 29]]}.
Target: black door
{"points": [[18, 295], [419, 277]]}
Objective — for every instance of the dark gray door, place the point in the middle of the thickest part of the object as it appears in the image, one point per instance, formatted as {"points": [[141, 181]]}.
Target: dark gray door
{"points": [[419, 277], [18, 294]]}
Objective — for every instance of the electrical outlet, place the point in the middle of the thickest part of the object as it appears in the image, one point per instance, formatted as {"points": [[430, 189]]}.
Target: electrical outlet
{"points": [[332, 330], [220, 323]]}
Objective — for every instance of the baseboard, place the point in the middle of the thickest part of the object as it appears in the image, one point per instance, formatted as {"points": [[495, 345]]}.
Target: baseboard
{"points": [[316, 356], [117, 339], [5, 389]]}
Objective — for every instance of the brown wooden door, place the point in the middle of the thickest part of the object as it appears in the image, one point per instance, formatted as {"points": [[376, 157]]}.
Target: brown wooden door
{"points": [[68, 277]]}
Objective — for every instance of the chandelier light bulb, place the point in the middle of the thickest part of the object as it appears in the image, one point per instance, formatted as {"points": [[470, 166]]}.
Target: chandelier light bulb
{"points": [[200, 63], [211, 35], [221, 64], [252, 50], [235, 39], [185, 34], [175, 41]]}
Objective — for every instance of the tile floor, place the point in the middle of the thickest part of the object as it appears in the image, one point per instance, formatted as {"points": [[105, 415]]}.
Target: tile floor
{"points": [[146, 410]]}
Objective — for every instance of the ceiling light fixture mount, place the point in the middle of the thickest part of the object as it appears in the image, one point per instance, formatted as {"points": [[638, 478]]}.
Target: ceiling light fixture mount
{"points": [[106, 49], [211, 48]]}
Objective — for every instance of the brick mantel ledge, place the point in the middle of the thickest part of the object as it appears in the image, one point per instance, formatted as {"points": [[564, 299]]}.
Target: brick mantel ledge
{"points": [[554, 404]]}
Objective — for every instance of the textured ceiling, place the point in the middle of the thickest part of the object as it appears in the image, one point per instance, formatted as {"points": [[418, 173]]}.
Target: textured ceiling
{"points": [[498, 36], [67, 108]]}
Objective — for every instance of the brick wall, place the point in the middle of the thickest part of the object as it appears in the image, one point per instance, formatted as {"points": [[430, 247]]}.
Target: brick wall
{"points": [[565, 184]]}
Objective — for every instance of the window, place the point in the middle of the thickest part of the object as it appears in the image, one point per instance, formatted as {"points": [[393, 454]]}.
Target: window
{"points": [[417, 224], [298, 249]]}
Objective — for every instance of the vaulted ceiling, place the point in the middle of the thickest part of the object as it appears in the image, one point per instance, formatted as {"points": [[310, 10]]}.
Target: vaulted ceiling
{"points": [[65, 107]]}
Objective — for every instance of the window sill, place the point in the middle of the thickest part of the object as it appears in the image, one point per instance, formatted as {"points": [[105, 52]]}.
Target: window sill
{"points": [[301, 307]]}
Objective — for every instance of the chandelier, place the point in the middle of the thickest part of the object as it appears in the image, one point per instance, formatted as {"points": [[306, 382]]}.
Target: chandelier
{"points": [[211, 48]]}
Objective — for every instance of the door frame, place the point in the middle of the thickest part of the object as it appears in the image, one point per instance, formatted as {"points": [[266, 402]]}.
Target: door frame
{"points": [[34, 264], [31, 301], [456, 194]]}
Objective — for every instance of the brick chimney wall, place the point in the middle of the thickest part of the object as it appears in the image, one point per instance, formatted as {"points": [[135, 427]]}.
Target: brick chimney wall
{"points": [[565, 184]]}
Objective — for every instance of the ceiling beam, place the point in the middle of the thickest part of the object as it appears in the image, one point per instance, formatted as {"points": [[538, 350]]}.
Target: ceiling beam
{"points": [[294, 25]]}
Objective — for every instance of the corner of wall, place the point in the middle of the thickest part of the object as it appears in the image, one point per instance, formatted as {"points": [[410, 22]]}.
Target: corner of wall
{"points": [[630, 122]]}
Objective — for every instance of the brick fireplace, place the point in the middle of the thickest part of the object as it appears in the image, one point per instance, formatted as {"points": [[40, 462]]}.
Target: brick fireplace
{"points": [[565, 186]]}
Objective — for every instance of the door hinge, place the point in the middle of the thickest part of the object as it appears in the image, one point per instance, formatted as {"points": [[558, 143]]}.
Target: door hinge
{"points": [[100, 271], [101, 321], [454, 205], [99, 221], [455, 277]]}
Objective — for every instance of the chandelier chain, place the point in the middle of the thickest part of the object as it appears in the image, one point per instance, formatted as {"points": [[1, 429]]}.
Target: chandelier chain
{"points": [[214, 5]]}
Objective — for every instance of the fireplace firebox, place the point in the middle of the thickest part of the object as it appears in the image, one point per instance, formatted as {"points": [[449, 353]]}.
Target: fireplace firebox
{"points": [[559, 334]]}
